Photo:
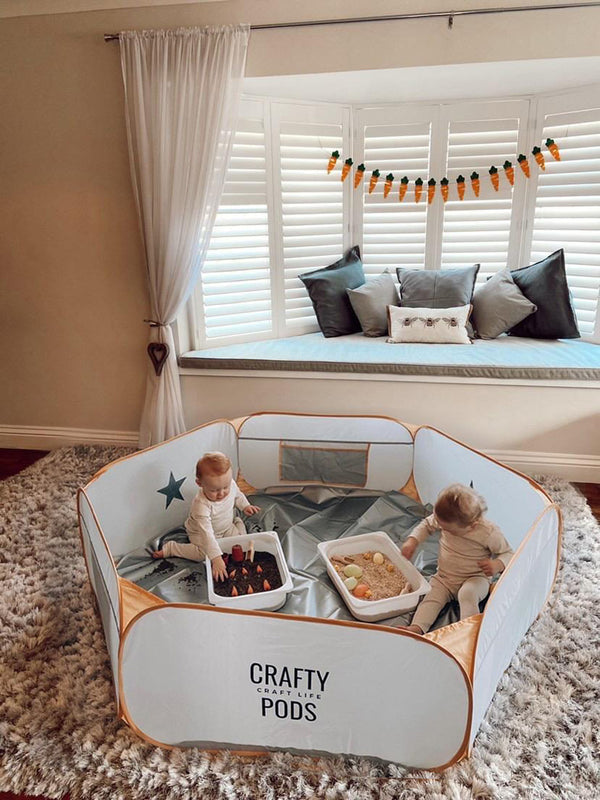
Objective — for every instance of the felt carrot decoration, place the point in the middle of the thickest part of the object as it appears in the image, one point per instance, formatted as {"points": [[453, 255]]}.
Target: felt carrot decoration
{"points": [[510, 172], [418, 189], [333, 160], [539, 157], [359, 174], [403, 188], [494, 177], [553, 147], [387, 187], [346, 168], [524, 164], [430, 190], [461, 186], [373, 182], [475, 183], [444, 188]]}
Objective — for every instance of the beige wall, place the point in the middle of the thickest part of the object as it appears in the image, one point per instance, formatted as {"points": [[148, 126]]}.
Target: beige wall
{"points": [[72, 291]]}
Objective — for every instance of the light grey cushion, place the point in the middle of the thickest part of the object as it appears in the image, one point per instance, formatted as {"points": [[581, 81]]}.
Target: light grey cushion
{"points": [[370, 302], [436, 288], [498, 305]]}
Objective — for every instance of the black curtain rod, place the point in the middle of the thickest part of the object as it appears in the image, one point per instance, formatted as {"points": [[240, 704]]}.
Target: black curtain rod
{"points": [[450, 15]]}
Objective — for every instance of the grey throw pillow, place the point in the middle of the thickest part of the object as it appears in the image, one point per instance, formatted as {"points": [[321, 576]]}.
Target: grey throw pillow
{"points": [[498, 305], [327, 291], [437, 288], [370, 303]]}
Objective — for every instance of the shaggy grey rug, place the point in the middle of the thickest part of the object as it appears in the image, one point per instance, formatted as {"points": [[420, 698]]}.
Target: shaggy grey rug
{"points": [[59, 734]]}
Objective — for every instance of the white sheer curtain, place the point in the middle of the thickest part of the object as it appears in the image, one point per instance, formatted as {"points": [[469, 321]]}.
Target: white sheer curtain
{"points": [[182, 91]]}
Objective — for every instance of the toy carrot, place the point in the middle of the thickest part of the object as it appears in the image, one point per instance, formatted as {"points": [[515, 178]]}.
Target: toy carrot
{"points": [[539, 157], [460, 185], [494, 177], [418, 189], [444, 188], [333, 160], [524, 164], [475, 183], [430, 190], [510, 172], [553, 147], [403, 188], [387, 188], [359, 174], [373, 182], [346, 168]]}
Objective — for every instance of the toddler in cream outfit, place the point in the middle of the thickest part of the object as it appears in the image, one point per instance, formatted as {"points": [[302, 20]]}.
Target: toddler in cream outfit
{"points": [[472, 550]]}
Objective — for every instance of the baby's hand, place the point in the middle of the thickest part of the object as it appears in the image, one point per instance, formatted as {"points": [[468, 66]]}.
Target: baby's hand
{"points": [[249, 510], [409, 547], [219, 571], [158, 554], [491, 566]]}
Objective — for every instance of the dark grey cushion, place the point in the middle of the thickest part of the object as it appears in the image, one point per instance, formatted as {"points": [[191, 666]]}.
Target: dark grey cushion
{"points": [[370, 303], [498, 305], [437, 288], [327, 290], [545, 285]]}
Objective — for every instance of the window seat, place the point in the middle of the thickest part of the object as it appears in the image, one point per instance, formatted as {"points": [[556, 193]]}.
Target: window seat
{"points": [[508, 357]]}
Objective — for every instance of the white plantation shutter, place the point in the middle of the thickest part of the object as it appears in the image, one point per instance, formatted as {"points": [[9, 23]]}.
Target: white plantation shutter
{"points": [[477, 229], [393, 232], [235, 280], [312, 212], [567, 211]]}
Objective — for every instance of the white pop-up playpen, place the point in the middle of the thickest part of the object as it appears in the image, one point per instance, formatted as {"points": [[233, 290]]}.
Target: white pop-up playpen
{"points": [[197, 675]]}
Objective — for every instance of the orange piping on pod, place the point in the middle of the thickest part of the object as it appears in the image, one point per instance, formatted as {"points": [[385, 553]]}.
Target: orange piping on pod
{"points": [[539, 157], [461, 186], [373, 182], [524, 164], [553, 147], [475, 183], [430, 190], [494, 177], [444, 189], [403, 188], [333, 160], [418, 189], [387, 187], [346, 168], [359, 175], [510, 172]]}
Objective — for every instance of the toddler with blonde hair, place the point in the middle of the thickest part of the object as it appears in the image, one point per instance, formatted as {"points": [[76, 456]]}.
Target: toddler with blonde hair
{"points": [[211, 514], [472, 551]]}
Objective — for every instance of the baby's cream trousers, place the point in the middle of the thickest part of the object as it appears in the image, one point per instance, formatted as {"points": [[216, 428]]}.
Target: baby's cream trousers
{"points": [[469, 594]]}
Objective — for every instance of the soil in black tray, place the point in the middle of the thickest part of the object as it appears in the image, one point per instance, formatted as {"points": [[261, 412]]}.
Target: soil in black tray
{"points": [[245, 574]]}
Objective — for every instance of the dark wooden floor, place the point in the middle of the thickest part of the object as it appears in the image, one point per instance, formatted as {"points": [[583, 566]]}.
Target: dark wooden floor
{"points": [[13, 461]]}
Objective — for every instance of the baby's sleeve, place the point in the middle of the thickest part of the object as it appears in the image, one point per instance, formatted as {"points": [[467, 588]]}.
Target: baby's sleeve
{"points": [[424, 529], [499, 547]]}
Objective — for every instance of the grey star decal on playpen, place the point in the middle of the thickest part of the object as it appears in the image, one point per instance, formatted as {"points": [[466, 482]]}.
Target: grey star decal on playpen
{"points": [[171, 490]]}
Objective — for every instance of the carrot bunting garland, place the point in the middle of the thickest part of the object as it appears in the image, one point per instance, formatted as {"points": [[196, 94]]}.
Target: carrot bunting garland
{"points": [[461, 181]]}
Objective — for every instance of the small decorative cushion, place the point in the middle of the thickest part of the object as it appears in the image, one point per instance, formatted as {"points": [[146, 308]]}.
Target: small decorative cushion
{"points": [[498, 305], [435, 325], [545, 285], [437, 288], [327, 290], [370, 303]]}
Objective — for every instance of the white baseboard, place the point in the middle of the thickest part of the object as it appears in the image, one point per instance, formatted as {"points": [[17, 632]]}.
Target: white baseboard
{"points": [[573, 467], [36, 438]]}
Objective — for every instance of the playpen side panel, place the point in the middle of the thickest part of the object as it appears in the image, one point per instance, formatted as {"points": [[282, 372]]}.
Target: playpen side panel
{"points": [[514, 604], [104, 581], [270, 681], [267, 443], [126, 495], [514, 501]]}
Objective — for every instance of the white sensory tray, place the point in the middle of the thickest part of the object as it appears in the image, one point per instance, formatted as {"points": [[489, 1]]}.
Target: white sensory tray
{"points": [[268, 542], [378, 541]]}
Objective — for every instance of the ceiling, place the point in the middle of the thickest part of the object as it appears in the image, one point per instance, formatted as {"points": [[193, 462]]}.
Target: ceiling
{"points": [[447, 82]]}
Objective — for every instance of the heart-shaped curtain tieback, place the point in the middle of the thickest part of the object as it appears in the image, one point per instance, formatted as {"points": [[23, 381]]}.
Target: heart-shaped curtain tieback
{"points": [[158, 351]]}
